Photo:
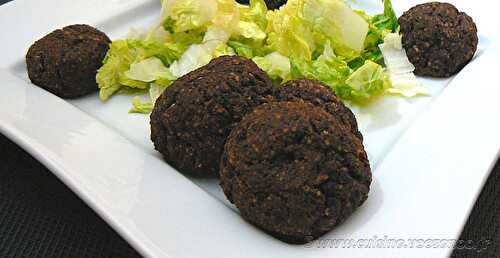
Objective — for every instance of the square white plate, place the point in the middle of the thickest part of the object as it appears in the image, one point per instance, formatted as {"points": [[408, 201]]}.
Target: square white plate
{"points": [[430, 155]]}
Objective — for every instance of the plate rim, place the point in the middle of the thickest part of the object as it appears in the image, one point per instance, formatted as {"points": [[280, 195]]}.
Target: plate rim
{"points": [[24, 141]]}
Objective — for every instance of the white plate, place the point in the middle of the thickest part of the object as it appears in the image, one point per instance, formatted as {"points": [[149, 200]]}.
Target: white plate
{"points": [[430, 156]]}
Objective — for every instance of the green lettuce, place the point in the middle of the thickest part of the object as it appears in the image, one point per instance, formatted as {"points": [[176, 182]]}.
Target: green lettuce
{"points": [[359, 86], [148, 70], [379, 26], [301, 28], [155, 90], [185, 15], [186, 38], [253, 21], [323, 40], [327, 68], [222, 26], [367, 81], [399, 68], [141, 107], [276, 66], [223, 50], [245, 49], [255, 12], [198, 55], [121, 55]]}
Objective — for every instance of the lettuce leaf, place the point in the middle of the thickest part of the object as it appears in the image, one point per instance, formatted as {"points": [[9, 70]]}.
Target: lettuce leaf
{"points": [[227, 17], [244, 49], [358, 86], [121, 54], [379, 26], [368, 81], [223, 24], [185, 15], [253, 22], [327, 68], [251, 30], [275, 65], [141, 107], [198, 55], [406, 85], [223, 50], [301, 27], [400, 69], [255, 12], [186, 38], [156, 90], [323, 40], [148, 70], [394, 55]]}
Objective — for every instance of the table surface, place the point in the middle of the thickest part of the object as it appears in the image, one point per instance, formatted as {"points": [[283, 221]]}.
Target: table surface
{"points": [[41, 217]]}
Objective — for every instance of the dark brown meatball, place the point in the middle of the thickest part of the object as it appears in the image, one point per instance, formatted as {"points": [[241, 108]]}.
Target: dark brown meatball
{"points": [[439, 40], [227, 64], [193, 117], [318, 94], [294, 170], [65, 62]]}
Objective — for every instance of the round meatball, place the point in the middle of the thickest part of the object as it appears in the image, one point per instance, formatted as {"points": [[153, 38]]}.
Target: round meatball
{"points": [[193, 117], [294, 170], [227, 64], [65, 62], [318, 94], [438, 39]]}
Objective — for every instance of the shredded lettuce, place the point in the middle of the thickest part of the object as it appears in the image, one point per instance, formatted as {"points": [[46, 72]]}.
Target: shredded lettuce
{"points": [[400, 70], [406, 85], [276, 65], [395, 57], [223, 24], [223, 50], [302, 27], [379, 26], [121, 54], [156, 90], [141, 107], [358, 86], [327, 68], [357, 55], [255, 12], [185, 15], [244, 49], [368, 81], [253, 22], [148, 70], [198, 55], [251, 30]]}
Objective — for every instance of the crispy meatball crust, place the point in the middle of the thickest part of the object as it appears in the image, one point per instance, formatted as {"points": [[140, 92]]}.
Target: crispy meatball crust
{"points": [[227, 64], [193, 117], [65, 62], [294, 170], [439, 40], [318, 94]]}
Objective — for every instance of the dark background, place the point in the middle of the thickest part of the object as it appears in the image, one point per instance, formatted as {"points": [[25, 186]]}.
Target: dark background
{"points": [[41, 217]]}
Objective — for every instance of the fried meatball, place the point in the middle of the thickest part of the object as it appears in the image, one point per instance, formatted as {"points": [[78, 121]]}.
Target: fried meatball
{"points": [[439, 40], [319, 95], [227, 64], [193, 117], [271, 4], [65, 62], [294, 170]]}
